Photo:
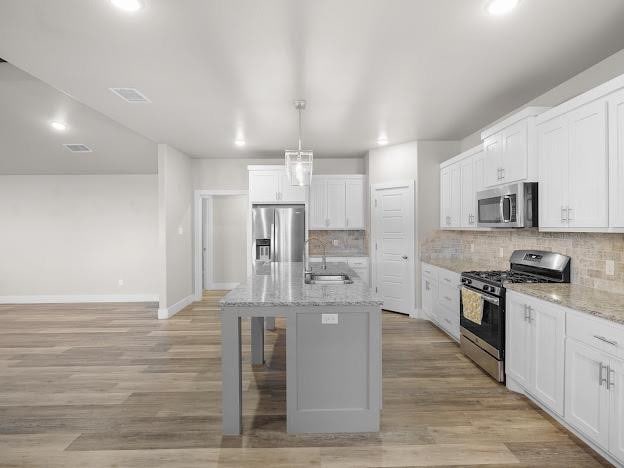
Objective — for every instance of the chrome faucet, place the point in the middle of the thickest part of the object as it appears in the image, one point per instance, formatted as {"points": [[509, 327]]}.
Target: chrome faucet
{"points": [[307, 268]]}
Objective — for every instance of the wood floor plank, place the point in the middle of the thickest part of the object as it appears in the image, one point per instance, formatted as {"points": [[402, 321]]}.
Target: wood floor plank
{"points": [[99, 385]]}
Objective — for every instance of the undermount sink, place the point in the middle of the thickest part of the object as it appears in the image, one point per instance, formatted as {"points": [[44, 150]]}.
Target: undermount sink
{"points": [[327, 278]]}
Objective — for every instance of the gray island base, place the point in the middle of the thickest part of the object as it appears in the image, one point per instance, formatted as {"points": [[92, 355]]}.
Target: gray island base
{"points": [[333, 348]]}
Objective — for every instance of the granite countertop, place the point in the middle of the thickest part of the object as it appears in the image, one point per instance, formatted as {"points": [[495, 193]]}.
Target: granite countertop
{"points": [[603, 304], [458, 265], [281, 284]]}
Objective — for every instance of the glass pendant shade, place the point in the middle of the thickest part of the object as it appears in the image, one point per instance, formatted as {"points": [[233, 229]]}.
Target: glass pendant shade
{"points": [[299, 167]]}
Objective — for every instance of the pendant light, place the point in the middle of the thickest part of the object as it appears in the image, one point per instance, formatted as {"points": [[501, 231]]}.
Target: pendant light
{"points": [[299, 162]]}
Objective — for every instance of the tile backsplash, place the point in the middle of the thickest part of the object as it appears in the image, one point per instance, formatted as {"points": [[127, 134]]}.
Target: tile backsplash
{"points": [[589, 252], [340, 243]]}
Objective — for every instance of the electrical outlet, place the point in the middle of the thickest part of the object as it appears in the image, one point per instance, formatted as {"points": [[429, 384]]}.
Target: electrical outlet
{"points": [[180, 230], [472, 247], [329, 319], [120, 282], [501, 252], [610, 267]]}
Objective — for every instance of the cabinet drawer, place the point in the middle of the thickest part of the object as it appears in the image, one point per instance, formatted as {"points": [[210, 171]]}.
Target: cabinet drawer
{"points": [[448, 277], [596, 332], [430, 271], [448, 296]]}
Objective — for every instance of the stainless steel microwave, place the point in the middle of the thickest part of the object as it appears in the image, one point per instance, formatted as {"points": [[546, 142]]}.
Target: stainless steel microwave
{"points": [[509, 206]]}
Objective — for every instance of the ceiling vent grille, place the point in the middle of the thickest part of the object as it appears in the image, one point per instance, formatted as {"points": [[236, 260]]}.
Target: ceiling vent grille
{"points": [[77, 148], [130, 94]]}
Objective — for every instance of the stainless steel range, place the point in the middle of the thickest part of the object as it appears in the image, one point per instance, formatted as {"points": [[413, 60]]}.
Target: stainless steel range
{"points": [[484, 342]]}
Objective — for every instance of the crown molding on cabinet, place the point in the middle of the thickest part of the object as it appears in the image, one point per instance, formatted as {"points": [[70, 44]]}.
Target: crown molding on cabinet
{"points": [[531, 111], [588, 96]]}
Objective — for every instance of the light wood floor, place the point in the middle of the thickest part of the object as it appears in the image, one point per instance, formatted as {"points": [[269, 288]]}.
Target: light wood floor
{"points": [[109, 385]]}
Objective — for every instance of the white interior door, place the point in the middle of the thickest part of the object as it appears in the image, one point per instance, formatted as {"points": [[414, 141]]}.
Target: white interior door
{"points": [[393, 213], [207, 245]]}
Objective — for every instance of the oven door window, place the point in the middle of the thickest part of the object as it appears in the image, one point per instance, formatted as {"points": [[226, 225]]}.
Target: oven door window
{"points": [[489, 210], [491, 328]]}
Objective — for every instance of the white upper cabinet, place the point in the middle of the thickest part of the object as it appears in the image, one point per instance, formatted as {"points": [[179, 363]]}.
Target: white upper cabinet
{"points": [[460, 179], [493, 147], [355, 196], [589, 167], [338, 202], [467, 198], [616, 159], [291, 193], [318, 203], [510, 149], [574, 170], [581, 162], [554, 175], [450, 197], [271, 185], [264, 186]]}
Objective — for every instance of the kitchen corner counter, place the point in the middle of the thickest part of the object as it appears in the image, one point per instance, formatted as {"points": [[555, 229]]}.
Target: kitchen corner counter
{"points": [[457, 265], [281, 284], [603, 304]]}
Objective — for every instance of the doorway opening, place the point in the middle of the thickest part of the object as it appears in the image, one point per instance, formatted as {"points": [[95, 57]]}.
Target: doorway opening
{"points": [[220, 260]]}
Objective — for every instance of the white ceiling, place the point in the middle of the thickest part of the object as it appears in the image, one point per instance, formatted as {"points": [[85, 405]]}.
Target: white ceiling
{"points": [[28, 145], [414, 69]]}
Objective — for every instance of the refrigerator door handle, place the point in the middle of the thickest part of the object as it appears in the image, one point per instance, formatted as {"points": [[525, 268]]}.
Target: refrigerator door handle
{"points": [[273, 244]]}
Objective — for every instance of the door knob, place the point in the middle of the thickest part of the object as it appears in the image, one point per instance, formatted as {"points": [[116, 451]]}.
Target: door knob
{"points": [[404, 257]]}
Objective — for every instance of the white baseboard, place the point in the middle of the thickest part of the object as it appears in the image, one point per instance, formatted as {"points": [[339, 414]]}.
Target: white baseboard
{"points": [[218, 286], [78, 298], [168, 312]]}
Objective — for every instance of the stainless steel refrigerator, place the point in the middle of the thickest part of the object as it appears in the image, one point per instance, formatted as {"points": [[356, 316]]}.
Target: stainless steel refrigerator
{"points": [[278, 233]]}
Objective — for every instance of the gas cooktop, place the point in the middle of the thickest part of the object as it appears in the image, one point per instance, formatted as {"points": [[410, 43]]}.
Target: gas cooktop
{"points": [[509, 276]]}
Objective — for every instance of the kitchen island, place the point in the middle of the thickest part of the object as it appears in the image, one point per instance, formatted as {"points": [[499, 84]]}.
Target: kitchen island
{"points": [[333, 347]]}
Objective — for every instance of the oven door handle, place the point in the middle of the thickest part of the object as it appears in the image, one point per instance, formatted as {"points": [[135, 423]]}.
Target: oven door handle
{"points": [[486, 297], [491, 300]]}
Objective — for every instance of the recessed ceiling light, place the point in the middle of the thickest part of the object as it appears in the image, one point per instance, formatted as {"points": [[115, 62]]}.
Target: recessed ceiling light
{"points": [[382, 140], [58, 126], [128, 5], [239, 142], [501, 7]]}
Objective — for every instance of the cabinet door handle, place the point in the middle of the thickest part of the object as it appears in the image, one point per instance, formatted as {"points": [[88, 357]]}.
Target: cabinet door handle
{"points": [[564, 216], [404, 257], [602, 338], [502, 172], [570, 217], [526, 313], [426, 285], [611, 383], [601, 377]]}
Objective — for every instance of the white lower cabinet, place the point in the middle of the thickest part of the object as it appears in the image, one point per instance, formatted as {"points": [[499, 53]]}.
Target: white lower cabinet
{"points": [[571, 364], [440, 298], [535, 353], [616, 428], [587, 401]]}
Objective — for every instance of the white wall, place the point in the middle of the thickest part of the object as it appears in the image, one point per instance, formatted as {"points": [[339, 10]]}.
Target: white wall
{"points": [[78, 235], [596, 75], [230, 238], [232, 174], [175, 195], [418, 161]]}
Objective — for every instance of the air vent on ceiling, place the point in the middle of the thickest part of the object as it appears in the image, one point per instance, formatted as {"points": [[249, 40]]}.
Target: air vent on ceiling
{"points": [[130, 94], [77, 148]]}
